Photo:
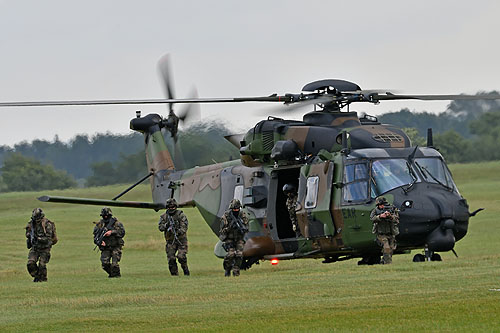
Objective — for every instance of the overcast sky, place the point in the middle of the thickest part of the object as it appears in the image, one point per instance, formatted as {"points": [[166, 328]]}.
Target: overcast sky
{"points": [[68, 50]]}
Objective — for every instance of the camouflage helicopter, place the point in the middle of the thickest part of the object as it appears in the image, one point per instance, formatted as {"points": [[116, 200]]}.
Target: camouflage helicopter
{"points": [[338, 161]]}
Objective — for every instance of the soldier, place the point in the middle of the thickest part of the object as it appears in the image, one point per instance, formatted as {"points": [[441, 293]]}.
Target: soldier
{"points": [[291, 205], [41, 235], [234, 226], [108, 235], [174, 224], [385, 220]]}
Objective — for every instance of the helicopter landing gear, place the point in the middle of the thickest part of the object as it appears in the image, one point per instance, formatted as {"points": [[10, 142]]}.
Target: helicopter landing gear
{"points": [[436, 257], [419, 257], [427, 256], [370, 260], [248, 262]]}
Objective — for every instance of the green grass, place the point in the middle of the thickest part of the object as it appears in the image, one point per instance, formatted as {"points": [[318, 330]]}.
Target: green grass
{"points": [[299, 295]]}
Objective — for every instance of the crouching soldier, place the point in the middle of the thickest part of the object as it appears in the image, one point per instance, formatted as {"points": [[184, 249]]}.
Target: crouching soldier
{"points": [[174, 224], [234, 226], [385, 218], [40, 236], [108, 236]]}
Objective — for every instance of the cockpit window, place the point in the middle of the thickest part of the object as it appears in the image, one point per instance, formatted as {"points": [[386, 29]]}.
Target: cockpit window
{"points": [[354, 172], [388, 174], [435, 171], [355, 182]]}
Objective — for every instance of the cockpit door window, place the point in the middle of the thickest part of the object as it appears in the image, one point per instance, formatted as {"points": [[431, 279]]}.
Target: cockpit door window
{"points": [[355, 187]]}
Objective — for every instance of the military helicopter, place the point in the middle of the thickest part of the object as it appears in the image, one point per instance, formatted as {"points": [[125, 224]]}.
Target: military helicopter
{"points": [[338, 161]]}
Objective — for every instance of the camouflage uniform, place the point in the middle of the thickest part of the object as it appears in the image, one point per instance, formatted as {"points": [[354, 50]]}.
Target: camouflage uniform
{"points": [[233, 238], [291, 205], [41, 235], [111, 251], [386, 228], [174, 224]]}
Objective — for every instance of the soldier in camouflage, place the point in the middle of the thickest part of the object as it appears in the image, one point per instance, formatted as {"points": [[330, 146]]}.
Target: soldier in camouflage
{"points": [[234, 226], [41, 235], [291, 205], [108, 236], [385, 220], [174, 224]]}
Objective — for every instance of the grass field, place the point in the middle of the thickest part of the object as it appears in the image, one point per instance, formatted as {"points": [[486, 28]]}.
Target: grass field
{"points": [[300, 295]]}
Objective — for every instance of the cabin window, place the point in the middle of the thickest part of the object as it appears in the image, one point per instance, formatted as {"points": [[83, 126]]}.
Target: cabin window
{"points": [[238, 193], [312, 192], [355, 182]]}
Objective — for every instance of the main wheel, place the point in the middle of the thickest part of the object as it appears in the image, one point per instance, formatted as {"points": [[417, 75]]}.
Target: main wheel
{"points": [[370, 260], [436, 257], [418, 257]]}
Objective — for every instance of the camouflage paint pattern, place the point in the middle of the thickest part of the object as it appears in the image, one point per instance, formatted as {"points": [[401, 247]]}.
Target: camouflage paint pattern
{"points": [[333, 229]]}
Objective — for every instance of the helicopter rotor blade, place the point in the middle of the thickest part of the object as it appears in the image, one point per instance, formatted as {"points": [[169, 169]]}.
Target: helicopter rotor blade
{"points": [[164, 70], [190, 113], [389, 96], [272, 98]]}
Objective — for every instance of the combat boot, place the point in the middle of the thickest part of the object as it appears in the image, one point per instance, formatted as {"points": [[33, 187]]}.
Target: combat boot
{"points": [[227, 273], [186, 271], [174, 271], [114, 272], [42, 274], [236, 273]]}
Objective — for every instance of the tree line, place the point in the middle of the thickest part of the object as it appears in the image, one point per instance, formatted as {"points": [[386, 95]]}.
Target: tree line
{"points": [[104, 159]]}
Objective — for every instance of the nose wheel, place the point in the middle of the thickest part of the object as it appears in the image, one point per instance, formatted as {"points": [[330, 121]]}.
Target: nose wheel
{"points": [[427, 256]]}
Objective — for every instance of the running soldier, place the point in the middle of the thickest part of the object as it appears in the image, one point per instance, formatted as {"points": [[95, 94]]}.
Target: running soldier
{"points": [[174, 224], [234, 226], [40, 236], [385, 218], [108, 236]]}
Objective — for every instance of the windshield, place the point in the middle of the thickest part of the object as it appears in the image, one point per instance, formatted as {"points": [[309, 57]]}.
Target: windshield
{"points": [[388, 174], [435, 171]]}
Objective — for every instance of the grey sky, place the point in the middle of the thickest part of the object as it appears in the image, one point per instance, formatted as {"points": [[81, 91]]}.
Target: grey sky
{"points": [[61, 50]]}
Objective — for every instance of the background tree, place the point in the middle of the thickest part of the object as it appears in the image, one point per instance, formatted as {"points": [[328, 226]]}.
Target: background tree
{"points": [[21, 173]]}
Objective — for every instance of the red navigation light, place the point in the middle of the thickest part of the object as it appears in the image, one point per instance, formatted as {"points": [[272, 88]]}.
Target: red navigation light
{"points": [[274, 261]]}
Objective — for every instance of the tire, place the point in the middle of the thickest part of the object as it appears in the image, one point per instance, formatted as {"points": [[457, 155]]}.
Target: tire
{"points": [[436, 257], [419, 258]]}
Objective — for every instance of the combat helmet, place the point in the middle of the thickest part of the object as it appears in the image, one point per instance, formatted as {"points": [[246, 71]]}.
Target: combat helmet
{"points": [[381, 201], [37, 214], [106, 211], [171, 203], [289, 188], [235, 204]]}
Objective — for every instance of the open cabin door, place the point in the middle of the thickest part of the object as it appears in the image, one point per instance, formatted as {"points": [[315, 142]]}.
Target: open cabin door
{"points": [[278, 217], [315, 195]]}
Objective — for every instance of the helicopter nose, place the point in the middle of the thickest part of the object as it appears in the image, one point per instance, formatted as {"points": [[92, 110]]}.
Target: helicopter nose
{"points": [[442, 238]]}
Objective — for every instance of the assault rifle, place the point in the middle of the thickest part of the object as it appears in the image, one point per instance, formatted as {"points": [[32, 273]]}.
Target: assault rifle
{"points": [[31, 240], [98, 238], [237, 223], [171, 228], [391, 209]]}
